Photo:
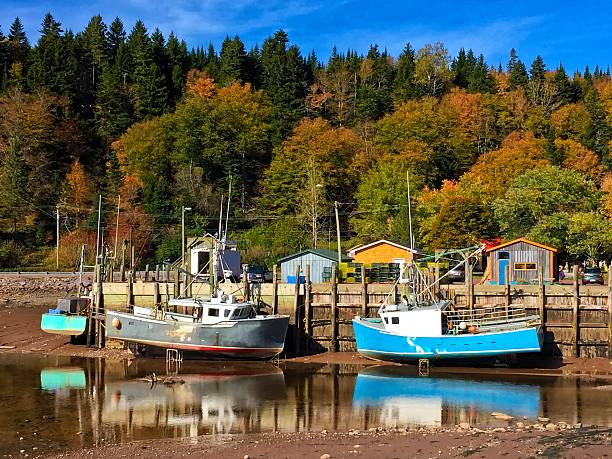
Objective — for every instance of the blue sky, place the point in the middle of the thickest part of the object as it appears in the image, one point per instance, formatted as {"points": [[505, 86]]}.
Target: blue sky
{"points": [[575, 33]]}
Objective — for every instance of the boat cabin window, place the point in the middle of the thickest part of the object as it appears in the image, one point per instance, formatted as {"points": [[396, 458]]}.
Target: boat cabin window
{"points": [[237, 313], [395, 320], [226, 312], [386, 320], [213, 312]]}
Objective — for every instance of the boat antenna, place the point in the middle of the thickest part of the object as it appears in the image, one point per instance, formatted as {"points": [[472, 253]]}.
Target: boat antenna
{"points": [[229, 198], [409, 209]]}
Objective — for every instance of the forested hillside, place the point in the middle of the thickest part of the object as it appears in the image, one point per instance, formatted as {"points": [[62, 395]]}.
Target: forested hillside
{"points": [[492, 150]]}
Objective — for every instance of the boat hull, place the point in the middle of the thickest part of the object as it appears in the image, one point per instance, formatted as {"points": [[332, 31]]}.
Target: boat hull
{"points": [[257, 339], [375, 342], [63, 324]]}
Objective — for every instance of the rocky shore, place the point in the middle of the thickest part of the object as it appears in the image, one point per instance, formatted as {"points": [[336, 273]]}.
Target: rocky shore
{"points": [[542, 439], [17, 291]]}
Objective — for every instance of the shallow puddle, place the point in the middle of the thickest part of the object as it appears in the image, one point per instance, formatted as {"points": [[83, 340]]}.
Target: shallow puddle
{"points": [[54, 403]]}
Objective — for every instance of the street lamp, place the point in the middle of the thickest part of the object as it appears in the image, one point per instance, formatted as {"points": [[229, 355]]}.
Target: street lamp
{"points": [[185, 209]]}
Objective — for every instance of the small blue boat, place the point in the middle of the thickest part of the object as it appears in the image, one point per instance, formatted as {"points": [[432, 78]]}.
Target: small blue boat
{"points": [[63, 324], [432, 331]]}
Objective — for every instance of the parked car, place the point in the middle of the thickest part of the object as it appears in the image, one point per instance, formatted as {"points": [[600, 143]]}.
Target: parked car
{"points": [[456, 274], [256, 273], [592, 276]]}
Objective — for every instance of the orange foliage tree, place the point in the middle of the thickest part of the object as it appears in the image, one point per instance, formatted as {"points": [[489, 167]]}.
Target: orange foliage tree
{"points": [[495, 170], [580, 159]]}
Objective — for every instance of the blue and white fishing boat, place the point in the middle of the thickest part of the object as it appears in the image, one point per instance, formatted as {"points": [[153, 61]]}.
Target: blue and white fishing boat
{"points": [[430, 329]]}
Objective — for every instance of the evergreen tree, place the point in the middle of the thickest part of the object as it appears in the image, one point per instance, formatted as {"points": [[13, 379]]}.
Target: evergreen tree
{"points": [[115, 37], [459, 69], [567, 91], [19, 46], [114, 110], [148, 91], [252, 67], [375, 84], [232, 61], [284, 82], [212, 62], [178, 65], [480, 80], [517, 73], [53, 63], [13, 186], [404, 87], [538, 69]]}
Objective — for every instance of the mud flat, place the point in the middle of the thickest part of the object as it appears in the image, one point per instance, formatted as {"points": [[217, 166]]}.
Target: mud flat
{"points": [[537, 440]]}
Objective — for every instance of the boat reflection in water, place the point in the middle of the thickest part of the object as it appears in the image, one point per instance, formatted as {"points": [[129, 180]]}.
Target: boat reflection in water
{"points": [[53, 379], [213, 402], [400, 399]]}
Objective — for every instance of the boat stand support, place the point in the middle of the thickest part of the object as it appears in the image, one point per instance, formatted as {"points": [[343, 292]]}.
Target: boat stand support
{"points": [[423, 367], [174, 355]]}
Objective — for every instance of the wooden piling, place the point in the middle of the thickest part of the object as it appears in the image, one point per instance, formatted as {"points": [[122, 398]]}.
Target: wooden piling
{"points": [[177, 283], [157, 279], [156, 295], [274, 290], [364, 293], [130, 295], [146, 274], [90, 315], [334, 310], [576, 313], [308, 305], [470, 285], [99, 310], [507, 291], [296, 310]]}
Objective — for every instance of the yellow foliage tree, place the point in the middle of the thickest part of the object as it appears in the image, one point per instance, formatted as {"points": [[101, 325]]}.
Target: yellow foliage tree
{"points": [[571, 121], [580, 159], [77, 192]]}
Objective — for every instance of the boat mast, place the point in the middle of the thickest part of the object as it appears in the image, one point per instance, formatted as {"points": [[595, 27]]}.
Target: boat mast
{"points": [[229, 198], [409, 210]]}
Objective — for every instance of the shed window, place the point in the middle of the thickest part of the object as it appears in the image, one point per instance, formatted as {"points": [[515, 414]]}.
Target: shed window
{"points": [[525, 266], [395, 320], [213, 312], [503, 255]]}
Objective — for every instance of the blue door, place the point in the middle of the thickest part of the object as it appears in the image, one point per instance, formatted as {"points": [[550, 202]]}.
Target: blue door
{"points": [[503, 260]]}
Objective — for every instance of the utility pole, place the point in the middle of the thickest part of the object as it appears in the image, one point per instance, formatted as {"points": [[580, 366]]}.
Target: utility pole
{"points": [[98, 234], [57, 238], [338, 232], [116, 230]]}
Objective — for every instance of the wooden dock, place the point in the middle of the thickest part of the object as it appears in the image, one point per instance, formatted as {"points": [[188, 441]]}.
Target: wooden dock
{"points": [[576, 318]]}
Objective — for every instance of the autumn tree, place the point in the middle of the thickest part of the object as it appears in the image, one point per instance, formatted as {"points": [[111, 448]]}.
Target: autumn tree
{"points": [[76, 193], [539, 193], [332, 151], [432, 70]]}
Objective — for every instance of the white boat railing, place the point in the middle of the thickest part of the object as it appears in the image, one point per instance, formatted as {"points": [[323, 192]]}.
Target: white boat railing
{"points": [[488, 317]]}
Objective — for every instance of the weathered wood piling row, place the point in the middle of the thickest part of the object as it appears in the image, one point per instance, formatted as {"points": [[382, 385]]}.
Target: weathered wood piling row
{"points": [[577, 319]]}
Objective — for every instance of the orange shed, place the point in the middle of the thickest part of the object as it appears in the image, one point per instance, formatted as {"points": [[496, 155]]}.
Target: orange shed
{"points": [[381, 251]]}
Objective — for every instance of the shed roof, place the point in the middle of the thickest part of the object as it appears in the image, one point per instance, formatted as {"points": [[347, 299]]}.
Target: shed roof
{"points": [[360, 248], [521, 239], [323, 253]]}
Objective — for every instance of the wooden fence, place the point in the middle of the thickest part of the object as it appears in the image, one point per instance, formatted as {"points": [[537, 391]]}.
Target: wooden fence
{"points": [[577, 319]]}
